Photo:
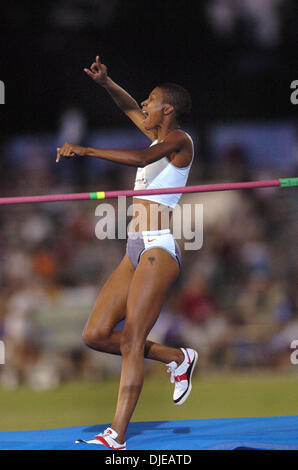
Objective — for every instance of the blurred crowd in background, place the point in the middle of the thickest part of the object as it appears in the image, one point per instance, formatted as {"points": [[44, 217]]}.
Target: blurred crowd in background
{"points": [[235, 300]]}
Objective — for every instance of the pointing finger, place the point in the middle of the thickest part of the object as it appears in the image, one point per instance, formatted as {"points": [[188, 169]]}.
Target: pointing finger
{"points": [[98, 63]]}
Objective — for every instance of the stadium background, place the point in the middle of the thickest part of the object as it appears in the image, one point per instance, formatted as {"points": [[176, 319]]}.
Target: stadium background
{"points": [[236, 299]]}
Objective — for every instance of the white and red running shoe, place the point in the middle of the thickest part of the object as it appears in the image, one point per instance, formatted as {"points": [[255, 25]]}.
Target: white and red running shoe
{"points": [[107, 438], [181, 375]]}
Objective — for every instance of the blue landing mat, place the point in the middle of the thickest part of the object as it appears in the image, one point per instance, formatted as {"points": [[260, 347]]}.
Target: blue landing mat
{"points": [[221, 434]]}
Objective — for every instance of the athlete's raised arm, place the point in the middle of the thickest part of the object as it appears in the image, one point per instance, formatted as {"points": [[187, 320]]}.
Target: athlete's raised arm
{"points": [[98, 73]]}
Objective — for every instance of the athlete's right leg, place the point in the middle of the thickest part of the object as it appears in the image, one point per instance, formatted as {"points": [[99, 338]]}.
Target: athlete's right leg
{"points": [[110, 309]]}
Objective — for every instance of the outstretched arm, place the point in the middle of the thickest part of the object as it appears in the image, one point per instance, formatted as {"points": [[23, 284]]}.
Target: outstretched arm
{"points": [[176, 141], [98, 73]]}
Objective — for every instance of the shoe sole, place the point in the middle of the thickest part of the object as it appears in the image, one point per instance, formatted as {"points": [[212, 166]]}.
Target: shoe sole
{"points": [[185, 397], [96, 442]]}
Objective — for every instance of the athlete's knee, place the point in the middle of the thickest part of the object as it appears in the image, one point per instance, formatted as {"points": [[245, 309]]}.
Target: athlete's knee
{"points": [[95, 339], [89, 337], [131, 342]]}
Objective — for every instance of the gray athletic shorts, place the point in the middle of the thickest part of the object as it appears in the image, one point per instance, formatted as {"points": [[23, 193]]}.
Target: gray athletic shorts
{"points": [[139, 242]]}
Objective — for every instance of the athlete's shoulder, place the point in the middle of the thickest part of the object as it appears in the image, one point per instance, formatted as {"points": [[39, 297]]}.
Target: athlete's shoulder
{"points": [[180, 136], [186, 136], [183, 149]]}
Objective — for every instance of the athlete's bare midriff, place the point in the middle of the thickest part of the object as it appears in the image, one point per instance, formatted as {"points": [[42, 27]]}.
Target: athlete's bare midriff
{"points": [[149, 215]]}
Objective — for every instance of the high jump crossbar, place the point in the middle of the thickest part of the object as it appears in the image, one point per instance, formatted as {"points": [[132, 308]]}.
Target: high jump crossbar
{"points": [[281, 182]]}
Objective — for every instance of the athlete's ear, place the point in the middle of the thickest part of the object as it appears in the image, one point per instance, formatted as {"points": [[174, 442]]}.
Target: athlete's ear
{"points": [[168, 108]]}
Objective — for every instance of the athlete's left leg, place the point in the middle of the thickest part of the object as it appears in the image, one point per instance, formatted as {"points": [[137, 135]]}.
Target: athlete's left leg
{"points": [[155, 273]]}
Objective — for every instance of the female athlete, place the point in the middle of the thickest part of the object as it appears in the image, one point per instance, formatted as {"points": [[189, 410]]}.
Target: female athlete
{"points": [[136, 290]]}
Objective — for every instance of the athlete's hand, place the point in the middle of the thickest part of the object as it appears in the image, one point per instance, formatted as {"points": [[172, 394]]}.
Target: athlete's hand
{"points": [[98, 72], [69, 150]]}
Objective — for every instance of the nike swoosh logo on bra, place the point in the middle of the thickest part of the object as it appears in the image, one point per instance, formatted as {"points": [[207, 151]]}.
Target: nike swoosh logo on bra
{"points": [[151, 240]]}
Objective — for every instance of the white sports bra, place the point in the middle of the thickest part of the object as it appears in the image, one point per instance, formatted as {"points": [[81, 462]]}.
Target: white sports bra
{"points": [[162, 174]]}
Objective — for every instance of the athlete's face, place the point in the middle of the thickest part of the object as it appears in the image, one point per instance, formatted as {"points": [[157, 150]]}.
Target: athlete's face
{"points": [[153, 109]]}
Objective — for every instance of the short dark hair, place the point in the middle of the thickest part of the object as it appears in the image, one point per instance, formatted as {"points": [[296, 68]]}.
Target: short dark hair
{"points": [[178, 97]]}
